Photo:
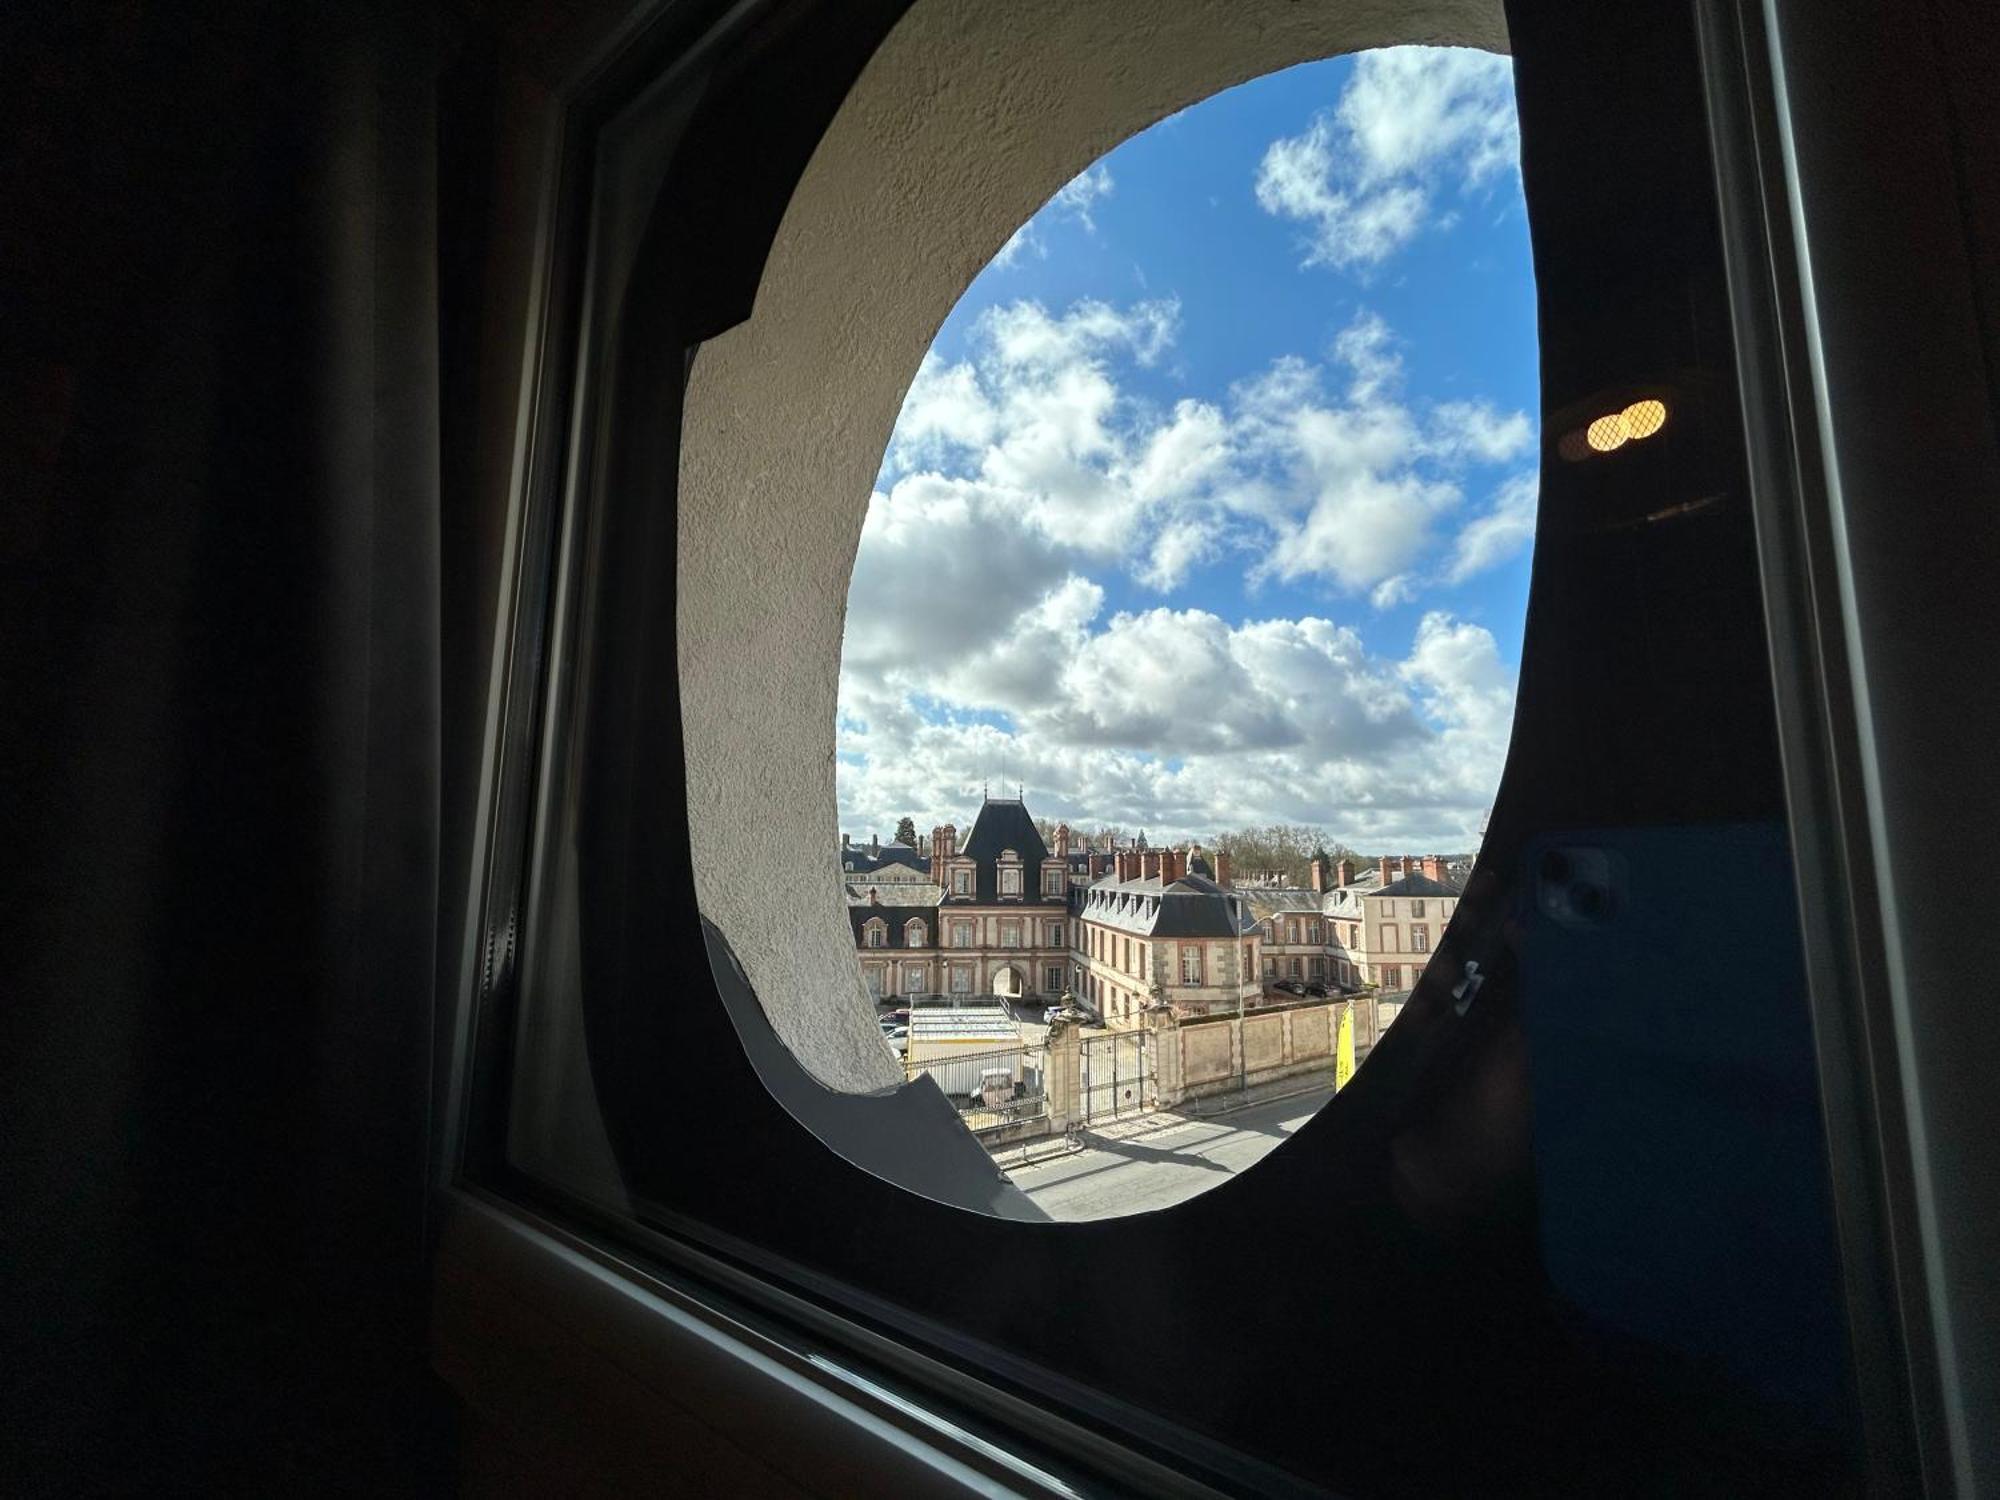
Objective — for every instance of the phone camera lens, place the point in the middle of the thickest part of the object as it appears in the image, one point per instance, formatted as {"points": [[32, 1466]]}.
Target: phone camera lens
{"points": [[1555, 867], [1587, 900]]}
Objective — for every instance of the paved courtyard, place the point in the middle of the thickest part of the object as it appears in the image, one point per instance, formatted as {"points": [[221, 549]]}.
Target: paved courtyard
{"points": [[1161, 1160]]}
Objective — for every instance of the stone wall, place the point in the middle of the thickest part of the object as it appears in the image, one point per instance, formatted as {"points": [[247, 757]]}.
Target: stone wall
{"points": [[1209, 1057]]}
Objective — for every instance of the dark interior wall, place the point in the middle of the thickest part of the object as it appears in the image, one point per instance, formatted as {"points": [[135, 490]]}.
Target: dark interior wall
{"points": [[220, 609]]}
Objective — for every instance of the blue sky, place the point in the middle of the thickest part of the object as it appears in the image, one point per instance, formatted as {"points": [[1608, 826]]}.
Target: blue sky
{"points": [[1211, 502]]}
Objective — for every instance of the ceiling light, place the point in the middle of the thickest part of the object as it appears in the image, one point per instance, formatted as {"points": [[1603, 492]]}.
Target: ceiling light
{"points": [[1606, 433]]}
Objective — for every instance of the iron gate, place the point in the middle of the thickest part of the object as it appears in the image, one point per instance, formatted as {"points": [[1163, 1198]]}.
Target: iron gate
{"points": [[1117, 1076]]}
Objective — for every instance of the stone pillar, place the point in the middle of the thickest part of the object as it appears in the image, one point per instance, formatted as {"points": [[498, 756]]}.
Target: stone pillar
{"points": [[1062, 1066], [1163, 1035]]}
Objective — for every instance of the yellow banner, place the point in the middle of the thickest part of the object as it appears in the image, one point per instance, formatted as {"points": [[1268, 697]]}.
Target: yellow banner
{"points": [[1343, 1049]]}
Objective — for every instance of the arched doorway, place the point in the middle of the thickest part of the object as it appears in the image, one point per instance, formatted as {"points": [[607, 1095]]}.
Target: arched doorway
{"points": [[1007, 983]]}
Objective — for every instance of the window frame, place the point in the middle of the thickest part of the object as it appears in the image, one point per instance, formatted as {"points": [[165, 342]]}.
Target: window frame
{"points": [[763, 1289]]}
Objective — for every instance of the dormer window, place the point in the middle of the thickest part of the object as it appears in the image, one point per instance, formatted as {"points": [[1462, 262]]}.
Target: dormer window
{"points": [[875, 933], [915, 935], [961, 882], [1010, 873], [1052, 880]]}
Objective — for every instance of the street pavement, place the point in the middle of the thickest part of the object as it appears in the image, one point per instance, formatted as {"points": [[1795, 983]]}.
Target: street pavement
{"points": [[1167, 1159]]}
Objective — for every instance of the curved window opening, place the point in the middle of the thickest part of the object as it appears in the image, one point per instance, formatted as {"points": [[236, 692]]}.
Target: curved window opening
{"points": [[1192, 590]]}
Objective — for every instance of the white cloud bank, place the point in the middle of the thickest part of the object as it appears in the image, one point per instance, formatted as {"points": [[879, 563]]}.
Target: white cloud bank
{"points": [[977, 641], [1364, 177]]}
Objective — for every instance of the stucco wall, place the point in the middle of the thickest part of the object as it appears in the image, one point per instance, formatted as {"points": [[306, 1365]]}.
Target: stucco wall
{"points": [[970, 116]]}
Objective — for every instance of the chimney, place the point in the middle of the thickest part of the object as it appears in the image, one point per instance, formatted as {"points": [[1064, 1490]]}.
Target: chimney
{"points": [[874, 845], [1318, 868], [1221, 867], [843, 841], [1098, 864], [874, 896], [951, 840], [1388, 869], [1344, 872], [1434, 867], [1151, 867], [1062, 840], [1180, 858]]}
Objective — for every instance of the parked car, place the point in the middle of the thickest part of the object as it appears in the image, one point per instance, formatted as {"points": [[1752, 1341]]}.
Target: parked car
{"points": [[996, 1087], [1316, 989], [1290, 986], [897, 1017], [895, 1031]]}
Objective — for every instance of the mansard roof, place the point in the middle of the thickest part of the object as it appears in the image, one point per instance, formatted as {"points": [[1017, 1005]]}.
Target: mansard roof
{"points": [[1415, 884], [1003, 823], [1191, 907], [856, 860], [1275, 901], [912, 897]]}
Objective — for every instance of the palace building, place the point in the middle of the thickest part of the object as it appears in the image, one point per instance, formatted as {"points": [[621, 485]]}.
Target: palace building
{"points": [[1004, 915]]}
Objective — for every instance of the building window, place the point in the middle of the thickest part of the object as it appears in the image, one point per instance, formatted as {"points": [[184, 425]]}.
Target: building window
{"points": [[1292, 931], [914, 979], [1416, 908], [1392, 977], [1052, 978], [873, 974], [1270, 967], [1315, 967], [1052, 881], [1420, 939], [1010, 881], [875, 934], [1292, 967], [1388, 908], [961, 934], [1353, 935], [961, 882], [961, 979], [914, 933], [1190, 965], [1010, 934], [1389, 944], [1125, 954], [1055, 934], [1313, 931]]}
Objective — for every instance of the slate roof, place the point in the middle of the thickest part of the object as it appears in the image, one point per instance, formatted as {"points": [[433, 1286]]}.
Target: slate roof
{"points": [[859, 913], [1003, 823], [914, 895], [856, 860], [1416, 885], [1193, 907], [1275, 901]]}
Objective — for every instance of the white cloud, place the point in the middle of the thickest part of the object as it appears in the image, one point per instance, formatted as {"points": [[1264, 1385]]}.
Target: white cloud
{"points": [[1025, 240], [1362, 177], [1178, 721], [1179, 546], [1349, 489], [1500, 532], [1475, 431], [1408, 108], [1076, 196], [978, 645], [1073, 200]]}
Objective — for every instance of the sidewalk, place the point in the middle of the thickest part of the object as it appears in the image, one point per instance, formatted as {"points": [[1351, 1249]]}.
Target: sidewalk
{"points": [[1138, 1127]]}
